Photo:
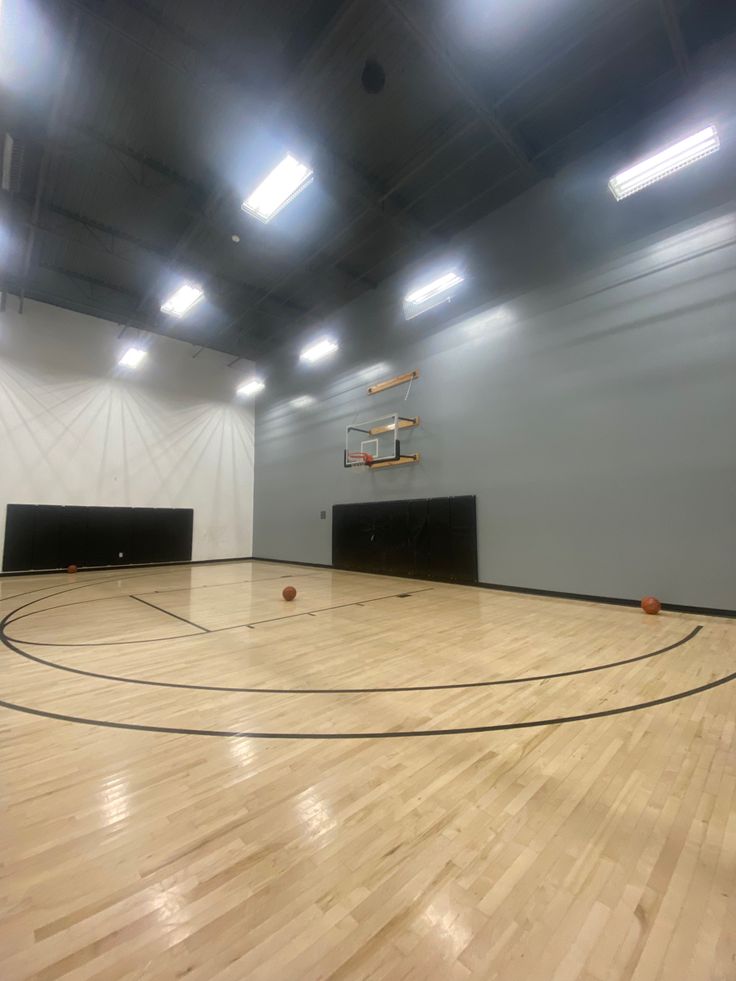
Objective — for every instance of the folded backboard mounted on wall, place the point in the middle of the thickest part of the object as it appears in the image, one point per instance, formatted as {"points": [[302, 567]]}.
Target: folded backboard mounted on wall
{"points": [[376, 443]]}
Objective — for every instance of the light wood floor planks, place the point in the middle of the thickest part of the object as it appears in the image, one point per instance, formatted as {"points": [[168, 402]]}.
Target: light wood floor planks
{"points": [[602, 849]]}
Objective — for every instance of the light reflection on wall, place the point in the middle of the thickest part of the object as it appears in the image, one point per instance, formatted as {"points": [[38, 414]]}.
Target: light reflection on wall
{"points": [[375, 371], [713, 234], [494, 322]]}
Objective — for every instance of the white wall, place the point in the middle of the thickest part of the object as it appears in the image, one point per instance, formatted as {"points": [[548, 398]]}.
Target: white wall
{"points": [[77, 429]]}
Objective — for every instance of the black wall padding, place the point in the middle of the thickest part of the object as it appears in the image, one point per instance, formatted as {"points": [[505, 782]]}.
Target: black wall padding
{"points": [[44, 536], [430, 538]]}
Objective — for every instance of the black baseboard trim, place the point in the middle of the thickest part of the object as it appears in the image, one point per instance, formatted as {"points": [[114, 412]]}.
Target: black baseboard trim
{"points": [[557, 594], [337, 568], [141, 565], [311, 565], [706, 611]]}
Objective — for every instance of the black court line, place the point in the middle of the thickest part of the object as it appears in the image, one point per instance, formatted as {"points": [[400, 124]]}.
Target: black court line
{"points": [[28, 592], [393, 734], [326, 609], [85, 585], [10, 642], [500, 727], [162, 610], [112, 577], [233, 582], [10, 618], [67, 589], [100, 599]]}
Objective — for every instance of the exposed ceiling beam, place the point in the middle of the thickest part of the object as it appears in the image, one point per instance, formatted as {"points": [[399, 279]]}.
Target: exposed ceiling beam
{"points": [[285, 305], [130, 318], [557, 147], [433, 46], [87, 304], [48, 151], [605, 22], [312, 40], [429, 148], [180, 246], [216, 197], [22, 119], [426, 151], [199, 216], [78, 133], [350, 176], [597, 120], [671, 21], [92, 281]]}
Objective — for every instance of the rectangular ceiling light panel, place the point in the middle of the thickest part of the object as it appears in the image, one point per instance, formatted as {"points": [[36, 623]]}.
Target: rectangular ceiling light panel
{"points": [[132, 357], [182, 301], [251, 387], [425, 297], [281, 186], [666, 162], [320, 349]]}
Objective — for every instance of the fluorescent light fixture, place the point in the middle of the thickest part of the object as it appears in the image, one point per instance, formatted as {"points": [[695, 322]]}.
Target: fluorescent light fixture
{"points": [[666, 162], [182, 300], [320, 349], [302, 402], [132, 357], [282, 185], [251, 387], [425, 297]]}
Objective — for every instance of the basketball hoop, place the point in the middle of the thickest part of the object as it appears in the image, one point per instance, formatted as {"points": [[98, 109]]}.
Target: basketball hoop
{"points": [[356, 459]]}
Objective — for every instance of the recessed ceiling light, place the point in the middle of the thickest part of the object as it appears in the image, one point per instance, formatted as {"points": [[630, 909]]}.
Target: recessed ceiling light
{"points": [[665, 162], [132, 357], [251, 387], [430, 294], [282, 185], [320, 349], [182, 300], [302, 402]]}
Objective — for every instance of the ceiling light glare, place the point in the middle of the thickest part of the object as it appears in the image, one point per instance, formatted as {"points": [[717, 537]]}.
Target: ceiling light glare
{"points": [[430, 294], [665, 162], [182, 301], [132, 357], [320, 349], [302, 402], [251, 387], [281, 186]]}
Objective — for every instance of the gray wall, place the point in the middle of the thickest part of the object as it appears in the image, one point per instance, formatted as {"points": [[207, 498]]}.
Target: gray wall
{"points": [[591, 406]]}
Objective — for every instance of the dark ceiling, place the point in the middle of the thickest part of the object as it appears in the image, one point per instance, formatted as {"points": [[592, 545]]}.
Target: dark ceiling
{"points": [[140, 125]]}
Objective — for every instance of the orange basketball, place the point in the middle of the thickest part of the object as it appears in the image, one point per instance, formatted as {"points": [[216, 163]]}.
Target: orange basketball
{"points": [[71, 568], [650, 604], [288, 593]]}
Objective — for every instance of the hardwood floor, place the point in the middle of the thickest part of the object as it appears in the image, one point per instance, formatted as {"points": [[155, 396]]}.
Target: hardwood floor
{"points": [[200, 780]]}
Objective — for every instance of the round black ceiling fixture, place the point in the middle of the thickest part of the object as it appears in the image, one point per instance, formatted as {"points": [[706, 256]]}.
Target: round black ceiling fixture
{"points": [[373, 77]]}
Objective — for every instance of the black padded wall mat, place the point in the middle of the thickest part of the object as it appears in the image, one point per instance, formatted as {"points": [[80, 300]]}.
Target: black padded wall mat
{"points": [[45, 536], [429, 538]]}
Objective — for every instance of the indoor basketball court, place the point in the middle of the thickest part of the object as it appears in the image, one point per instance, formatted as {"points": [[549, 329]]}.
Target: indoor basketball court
{"points": [[368, 595]]}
